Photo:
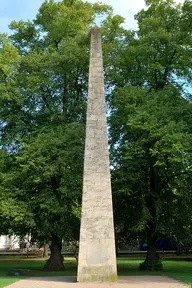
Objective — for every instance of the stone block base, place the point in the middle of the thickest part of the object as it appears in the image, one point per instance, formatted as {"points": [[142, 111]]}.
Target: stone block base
{"points": [[97, 273]]}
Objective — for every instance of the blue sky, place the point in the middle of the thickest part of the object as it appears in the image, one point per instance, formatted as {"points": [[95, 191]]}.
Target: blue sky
{"points": [[16, 10], [26, 9]]}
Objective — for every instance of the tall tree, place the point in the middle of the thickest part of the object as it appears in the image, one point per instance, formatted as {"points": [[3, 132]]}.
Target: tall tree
{"points": [[150, 123], [49, 180], [43, 120]]}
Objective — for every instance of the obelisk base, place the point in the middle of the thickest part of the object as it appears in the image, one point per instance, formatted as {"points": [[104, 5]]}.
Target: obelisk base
{"points": [[97, 273]]}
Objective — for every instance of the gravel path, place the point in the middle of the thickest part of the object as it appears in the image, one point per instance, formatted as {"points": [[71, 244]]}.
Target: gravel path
{"points": [[123, 282]]}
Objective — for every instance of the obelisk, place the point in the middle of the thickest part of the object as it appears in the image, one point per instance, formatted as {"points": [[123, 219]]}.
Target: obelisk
{"points": [[97, 257]]}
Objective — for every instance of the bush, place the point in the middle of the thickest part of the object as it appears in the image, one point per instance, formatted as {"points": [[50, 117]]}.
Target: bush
{"points": [[155, 265]]}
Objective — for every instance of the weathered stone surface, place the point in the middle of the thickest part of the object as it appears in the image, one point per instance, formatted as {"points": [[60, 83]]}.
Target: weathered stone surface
{"points": [[97, 259]]}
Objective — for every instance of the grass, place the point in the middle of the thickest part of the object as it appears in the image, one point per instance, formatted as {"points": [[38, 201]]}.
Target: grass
{"points": [[177, 269], [33, 265]]}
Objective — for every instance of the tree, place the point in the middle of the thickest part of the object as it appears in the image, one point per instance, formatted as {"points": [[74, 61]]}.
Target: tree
{"points": [[43, 121], [50, 166], [150, 124], [154, 157]]}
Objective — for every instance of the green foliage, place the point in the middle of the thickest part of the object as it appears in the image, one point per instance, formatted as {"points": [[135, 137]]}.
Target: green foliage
{"points": [[50, 166], [154, 142], [150, 125], [14, 213]]}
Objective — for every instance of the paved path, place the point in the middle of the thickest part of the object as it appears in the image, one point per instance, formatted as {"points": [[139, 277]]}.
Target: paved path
{"points": [[123, 282]]}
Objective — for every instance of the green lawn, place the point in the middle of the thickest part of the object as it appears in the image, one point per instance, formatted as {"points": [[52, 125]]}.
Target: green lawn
{"points": [[180, 270], [36, 266]]}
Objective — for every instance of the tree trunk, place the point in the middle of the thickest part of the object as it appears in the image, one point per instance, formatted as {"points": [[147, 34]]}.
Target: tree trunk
{"points": [[151, 200], [45, 250], [55, 262], [151, 252], [117, 251], [151, 242], [179, 248], [116, 247], [152, 261]]}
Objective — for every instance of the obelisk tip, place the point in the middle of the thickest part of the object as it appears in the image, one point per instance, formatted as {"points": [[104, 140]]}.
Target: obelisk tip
{"points": [[96, 29]]}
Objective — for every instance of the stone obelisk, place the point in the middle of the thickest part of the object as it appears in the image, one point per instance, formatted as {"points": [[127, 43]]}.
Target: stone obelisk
{"points": [[97, 257]]}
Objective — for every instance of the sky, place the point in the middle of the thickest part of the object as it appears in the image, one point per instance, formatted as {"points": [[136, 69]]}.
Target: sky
{"points": [[27, 9]]}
